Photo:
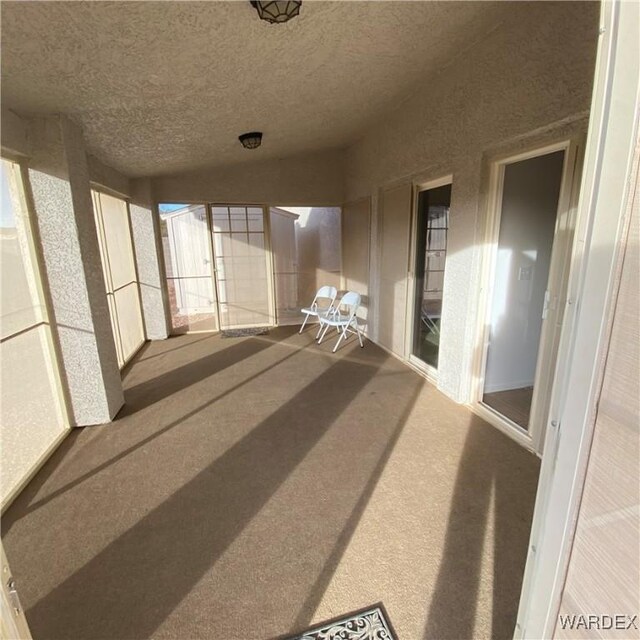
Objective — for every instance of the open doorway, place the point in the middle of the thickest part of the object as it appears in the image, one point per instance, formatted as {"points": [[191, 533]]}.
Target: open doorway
{"points": [[530, 237], [218, 267], [306, 249]]}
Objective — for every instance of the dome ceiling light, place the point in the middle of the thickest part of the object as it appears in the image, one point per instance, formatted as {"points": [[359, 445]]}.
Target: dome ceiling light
{"points": [[251, 140], [277, 11]]}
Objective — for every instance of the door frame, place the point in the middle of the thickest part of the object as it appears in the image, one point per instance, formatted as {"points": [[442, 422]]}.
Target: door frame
{"points": [[266, 231], [431, 373], [564, 231]]}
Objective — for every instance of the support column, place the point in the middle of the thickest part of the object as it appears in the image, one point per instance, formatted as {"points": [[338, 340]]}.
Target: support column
{"points": [[146, 239], [59, 182]]}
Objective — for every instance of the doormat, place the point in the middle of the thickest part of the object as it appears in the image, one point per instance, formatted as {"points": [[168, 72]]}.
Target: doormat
{"points": [[243, 333], [368, 624]]}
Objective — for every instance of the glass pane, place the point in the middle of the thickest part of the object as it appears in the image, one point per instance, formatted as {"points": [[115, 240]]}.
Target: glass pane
{"points": [[431, 254], [255, 219], [220, 219], [531, 189], [127, 303], [19, 299], [30, 414], [117, 235], [187, 252], [238, 216]]}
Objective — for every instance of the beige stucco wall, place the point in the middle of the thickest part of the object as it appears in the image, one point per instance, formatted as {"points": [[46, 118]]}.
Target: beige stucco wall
{"points": [[310, 179], [14, 131], [527, 82], [355, 253]]}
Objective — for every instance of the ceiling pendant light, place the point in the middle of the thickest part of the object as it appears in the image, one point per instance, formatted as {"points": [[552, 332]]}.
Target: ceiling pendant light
{"points": [[251, 140], [277, 11]]}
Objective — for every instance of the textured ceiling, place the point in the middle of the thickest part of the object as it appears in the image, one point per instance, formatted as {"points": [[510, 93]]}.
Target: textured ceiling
{"points": [[162, 87]]}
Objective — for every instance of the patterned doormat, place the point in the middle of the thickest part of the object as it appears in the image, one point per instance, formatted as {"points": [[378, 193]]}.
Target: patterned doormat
{"points": [[371, 623], [243, 333]]}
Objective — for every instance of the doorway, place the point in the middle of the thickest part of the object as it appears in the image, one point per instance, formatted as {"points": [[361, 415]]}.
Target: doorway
{"points": [[428, 259], [218, 267], [529, 241]]}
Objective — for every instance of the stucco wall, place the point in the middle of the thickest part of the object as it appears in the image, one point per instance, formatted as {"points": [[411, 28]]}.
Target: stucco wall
{"points": [[14, 130], [59, 180], [315, 178], [102, 175], [527, 81]]}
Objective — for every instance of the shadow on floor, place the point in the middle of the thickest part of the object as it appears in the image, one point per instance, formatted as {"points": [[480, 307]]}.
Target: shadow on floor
{"points": [[260, 527], [160, 387], [495, 490]]}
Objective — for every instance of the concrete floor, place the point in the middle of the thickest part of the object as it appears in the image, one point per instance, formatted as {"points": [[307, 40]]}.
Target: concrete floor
{"points": [[253, 486]]}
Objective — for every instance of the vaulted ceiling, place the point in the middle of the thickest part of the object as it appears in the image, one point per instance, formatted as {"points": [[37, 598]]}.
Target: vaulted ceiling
{"points": [[163, 87]]}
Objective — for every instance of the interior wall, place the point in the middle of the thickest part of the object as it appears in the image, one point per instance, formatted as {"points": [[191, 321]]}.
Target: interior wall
{"points": [[527, 223], [356, 230], [315, 178], [530, 76]]}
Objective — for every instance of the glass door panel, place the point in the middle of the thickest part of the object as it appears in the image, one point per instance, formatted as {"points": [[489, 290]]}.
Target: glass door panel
{"points": [[432, 223], [188, 262], [241, 266], [531, 189]]}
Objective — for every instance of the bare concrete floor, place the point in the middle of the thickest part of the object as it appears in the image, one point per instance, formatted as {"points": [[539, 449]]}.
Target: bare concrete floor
{"points": [[253, 486]]}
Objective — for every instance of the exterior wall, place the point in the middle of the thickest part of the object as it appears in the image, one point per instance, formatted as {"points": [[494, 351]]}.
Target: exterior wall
{"points": [[395, 224], [356, 225], [527, 81], [305, 180], [318, 250]]}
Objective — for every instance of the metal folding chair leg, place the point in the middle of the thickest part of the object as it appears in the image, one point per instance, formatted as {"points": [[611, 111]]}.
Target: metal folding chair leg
{"points": [[324, 331], [305, 322], [342, 335]]}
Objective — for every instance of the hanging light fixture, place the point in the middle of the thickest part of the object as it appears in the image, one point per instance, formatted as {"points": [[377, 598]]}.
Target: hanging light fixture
{"points": [[277, 11], [251, 140]]}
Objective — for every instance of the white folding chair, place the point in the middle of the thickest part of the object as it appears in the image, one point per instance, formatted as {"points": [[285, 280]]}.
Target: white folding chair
{"points": [[346, 322], [320, 309]]}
